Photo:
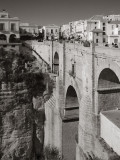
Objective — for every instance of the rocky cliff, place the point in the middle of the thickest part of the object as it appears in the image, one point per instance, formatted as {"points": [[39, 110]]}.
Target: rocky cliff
{"points": [[22, 113]]}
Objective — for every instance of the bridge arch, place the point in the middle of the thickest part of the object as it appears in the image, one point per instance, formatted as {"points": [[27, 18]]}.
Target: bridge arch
{"points": [[71, 103], [56, 63], [70, 123], [115, 67], [108, 90]]}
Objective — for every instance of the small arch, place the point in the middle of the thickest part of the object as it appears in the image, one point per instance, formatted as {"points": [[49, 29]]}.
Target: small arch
{"points": [[12, 38], [3, 37], [56, 63], [71, 103], [70, 124], [108, 90]]}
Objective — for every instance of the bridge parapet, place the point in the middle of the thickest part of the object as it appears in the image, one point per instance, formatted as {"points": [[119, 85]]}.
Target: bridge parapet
{"points": [[99, 50]]}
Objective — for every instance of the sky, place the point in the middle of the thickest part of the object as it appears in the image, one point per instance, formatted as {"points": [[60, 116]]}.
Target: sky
{"points": [[45, 12]]}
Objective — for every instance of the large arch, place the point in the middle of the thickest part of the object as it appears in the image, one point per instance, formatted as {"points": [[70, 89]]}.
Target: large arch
{"points": [[12, 38], [108, 90], [70, 124], [56, 63]]}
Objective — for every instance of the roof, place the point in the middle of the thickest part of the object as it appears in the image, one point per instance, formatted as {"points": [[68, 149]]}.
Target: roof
{"points": [[114, 22], [113, 116], [28, 25], [113, 35], [97, 30], [52, 25], [98, 17]]}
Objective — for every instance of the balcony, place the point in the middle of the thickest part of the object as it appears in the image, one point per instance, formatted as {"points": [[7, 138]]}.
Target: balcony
{"points": [[14, 31]]}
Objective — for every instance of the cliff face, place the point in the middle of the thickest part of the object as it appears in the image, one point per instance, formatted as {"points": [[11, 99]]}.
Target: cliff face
{"points": [[21, 110], [21, 126], [16, 127]]}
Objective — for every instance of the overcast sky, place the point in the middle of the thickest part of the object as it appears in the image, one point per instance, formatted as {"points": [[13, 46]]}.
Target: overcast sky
{"points": [[43, 12]]}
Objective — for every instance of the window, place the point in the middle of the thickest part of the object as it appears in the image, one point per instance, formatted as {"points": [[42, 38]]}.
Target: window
{"points": [[116, 41], [95, 27], [4, 46], [103, 40], [12, 26], [95, 22], [103, 28], [73, 68], [3, 16], [103, 24], [104, 33], [96, 40], [56, 30], [2, 26], [51, 30]]}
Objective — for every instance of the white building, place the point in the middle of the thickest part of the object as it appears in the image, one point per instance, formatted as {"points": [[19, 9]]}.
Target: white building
{"points": [[113, 32], [51, 32], [65, 31], [29, 28], [9, 28]]}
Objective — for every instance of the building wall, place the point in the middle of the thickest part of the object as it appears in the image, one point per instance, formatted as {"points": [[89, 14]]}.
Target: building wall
{"points": [[110, 133], [29, 28], [51, 31], [44, 50], [65, 32]]}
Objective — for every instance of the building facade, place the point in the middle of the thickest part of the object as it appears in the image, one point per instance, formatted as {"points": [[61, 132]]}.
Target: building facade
{"points": [[98, 23], [51, 32], [9, 28], [27, 28], [109, 26], [65, 32], [113, 32]]}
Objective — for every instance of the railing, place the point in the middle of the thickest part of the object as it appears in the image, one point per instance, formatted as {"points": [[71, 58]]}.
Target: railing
{"points": [[108, 89]]}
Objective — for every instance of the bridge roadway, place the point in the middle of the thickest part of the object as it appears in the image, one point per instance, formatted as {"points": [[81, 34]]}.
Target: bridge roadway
{"points": [[87, 82]]}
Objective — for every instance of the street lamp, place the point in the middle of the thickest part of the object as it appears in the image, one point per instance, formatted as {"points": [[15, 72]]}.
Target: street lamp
{"points": [[94, 31]]}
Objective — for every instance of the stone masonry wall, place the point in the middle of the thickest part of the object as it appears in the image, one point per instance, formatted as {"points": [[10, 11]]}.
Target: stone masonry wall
{"points": [[89, 143]]}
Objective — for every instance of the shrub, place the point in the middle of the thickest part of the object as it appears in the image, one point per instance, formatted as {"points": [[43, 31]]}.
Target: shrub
{"points": [[52, 153]]}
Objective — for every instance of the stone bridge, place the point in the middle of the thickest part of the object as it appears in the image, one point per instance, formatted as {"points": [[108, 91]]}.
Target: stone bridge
{"points": [[87, 85]]}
